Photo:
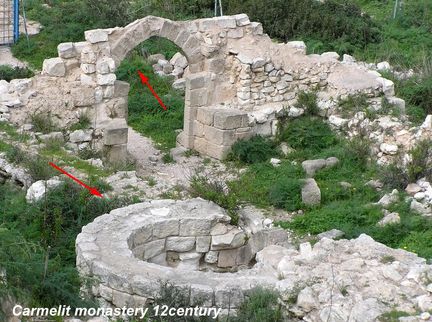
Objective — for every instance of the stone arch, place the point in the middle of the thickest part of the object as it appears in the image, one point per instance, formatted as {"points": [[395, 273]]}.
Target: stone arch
{"points": [[132, 35]]}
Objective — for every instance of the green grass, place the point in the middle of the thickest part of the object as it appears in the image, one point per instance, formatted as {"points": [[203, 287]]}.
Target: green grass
{"points": [[344, 208], [260, 306], [26, 231], [145, 114]]}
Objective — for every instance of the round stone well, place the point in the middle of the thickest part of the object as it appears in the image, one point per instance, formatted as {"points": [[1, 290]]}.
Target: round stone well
{"points": [[189, 244]]}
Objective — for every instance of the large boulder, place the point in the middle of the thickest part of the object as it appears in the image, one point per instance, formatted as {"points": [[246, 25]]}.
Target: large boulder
{"points": [[311, 193]]}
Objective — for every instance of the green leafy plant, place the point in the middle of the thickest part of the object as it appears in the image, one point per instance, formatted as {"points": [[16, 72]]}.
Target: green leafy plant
{"points": [[216, 191], [286, 194], [310, 134], [421, 161], [353, 104], [8, 73], [43, 123], [83, 123], [308, 102], [253, 150], [260, 305]]}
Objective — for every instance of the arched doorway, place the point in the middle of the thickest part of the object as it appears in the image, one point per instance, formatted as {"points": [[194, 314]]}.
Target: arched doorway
{"points": [[145, 115]]}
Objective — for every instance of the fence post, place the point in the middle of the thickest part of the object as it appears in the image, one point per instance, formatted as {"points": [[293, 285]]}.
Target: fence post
{"points": [[16, 20]]}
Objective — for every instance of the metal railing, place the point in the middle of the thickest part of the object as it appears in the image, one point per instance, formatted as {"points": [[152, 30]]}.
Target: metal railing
{"points": [[9, 21]]}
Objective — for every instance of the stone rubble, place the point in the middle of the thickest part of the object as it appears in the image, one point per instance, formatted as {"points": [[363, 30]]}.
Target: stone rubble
{"points": [[13, 173]]}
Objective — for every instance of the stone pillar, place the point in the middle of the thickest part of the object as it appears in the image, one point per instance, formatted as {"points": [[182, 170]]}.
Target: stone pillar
{"points": [[115, 138], [198, 86]]}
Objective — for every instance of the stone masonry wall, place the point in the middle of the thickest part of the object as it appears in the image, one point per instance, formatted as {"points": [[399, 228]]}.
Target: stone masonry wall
{"points": [[233, 68], [189, 244]]}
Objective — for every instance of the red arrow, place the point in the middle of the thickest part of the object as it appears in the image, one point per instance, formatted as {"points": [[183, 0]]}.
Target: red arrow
{"points": [[93, 191], [145, 81]]}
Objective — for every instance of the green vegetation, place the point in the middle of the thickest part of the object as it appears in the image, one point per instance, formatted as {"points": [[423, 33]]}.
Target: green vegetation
{"points": [[392, 316], [307, 135], [216, 191], [254, 150], [82, 124], [347, 208], [145, 114], [308, 102], [260, 306], [395, 176], [353, 104], [8, 73], [43, 123], [32, 234]]}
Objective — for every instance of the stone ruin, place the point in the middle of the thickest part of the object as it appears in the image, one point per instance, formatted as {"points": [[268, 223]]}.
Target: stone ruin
{"points": [[132, 251], [187, 243], [238, 82]]}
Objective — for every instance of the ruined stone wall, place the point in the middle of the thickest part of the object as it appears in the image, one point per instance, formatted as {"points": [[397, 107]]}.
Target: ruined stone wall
{"points": [[238, 82]]}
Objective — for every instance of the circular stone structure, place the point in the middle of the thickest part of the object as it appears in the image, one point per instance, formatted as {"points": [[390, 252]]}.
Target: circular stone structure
{"points": [[189, 244]]}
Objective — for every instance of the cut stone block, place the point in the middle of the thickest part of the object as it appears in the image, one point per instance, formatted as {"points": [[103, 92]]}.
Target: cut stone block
{"points": [[66, 50], [193, 227], [203, 244], [180, 244], [230, 119], [227, 258], [116, 132], [79, 136], [95, 36], [233, 239], [105, 65], [54, 67], [153, 248], [166, 228], [117, 154], [121, 88], [218, 136]]}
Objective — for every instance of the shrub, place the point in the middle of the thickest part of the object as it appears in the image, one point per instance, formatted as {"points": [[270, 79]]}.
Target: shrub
{"points": [[28, 230], [89, 153], [353, 104], [260, 306], [83, 123], [311, 134], [38, 168], [176, 297], [421, 161], [43, 123], [286, 194], [15, 155], [253, 150], [358, 149], [308, 102], [8, 73], [216, 191], [341, 24], [394, 176]]}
